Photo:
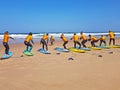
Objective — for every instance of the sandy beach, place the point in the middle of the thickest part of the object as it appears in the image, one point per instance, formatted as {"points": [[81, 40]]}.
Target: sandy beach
{"points": [[55, 72]]}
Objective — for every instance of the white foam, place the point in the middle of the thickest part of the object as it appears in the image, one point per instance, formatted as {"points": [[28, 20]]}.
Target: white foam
{"points": [[56, 35]]}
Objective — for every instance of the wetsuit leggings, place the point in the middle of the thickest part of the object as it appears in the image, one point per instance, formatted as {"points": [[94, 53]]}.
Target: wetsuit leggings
{"points": [[44, 43], [28, 44], [77, 42], [112, 39], [64, 44], [83, 43], [6, 47], [102, 41], [93, 43]]}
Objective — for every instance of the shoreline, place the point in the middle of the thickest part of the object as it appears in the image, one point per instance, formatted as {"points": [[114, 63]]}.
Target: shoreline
{"points": [[19, 38]]}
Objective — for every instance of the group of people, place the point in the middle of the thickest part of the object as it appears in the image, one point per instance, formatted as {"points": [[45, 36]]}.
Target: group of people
{"points": [[91, 38], [45, 38], [28, 42]]}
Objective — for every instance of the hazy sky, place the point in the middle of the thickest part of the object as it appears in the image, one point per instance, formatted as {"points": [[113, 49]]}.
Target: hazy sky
{"points": [[59, 15]]}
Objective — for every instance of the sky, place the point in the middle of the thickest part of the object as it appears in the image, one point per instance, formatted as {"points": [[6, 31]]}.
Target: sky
{"points": [[22, 16]]}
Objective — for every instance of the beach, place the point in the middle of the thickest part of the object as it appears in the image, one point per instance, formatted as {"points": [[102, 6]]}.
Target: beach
{"points": [[87, 71]]}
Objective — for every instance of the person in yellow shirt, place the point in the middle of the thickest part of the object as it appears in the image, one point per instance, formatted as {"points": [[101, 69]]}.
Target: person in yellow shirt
{"points": [[93, 40], [76, 40], [52, 39], [5, 42], [84, 39], [102, 40], [112, 37], [64, 40], [44, 40], [28, 41]]}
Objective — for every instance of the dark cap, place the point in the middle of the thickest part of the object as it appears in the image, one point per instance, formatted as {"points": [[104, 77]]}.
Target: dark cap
{"points": [[81, 32], [47, 34], [6, 32], [89, 35], [74, 33], [30, 33]]}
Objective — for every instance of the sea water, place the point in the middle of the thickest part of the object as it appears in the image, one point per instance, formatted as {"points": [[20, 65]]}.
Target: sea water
{"points": [[20, 37]]}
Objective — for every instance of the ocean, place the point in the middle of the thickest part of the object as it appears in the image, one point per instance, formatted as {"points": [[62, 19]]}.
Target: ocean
{"points": [[19, 37]]}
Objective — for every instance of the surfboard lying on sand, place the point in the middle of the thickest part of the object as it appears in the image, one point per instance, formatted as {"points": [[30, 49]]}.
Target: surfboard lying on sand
{"points": [[4, 56], [27, 53], [114, 46], [43, 51], [61, 49], [95, 48], [104, 47], [82, 48], [77, 50]]}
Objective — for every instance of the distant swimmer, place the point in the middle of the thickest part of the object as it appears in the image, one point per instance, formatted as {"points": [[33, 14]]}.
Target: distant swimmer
{"points": [[28, 41], [64, 40], [84, 39], [44, 40], [112, 37], [5, 42], [93, 40], [102, 40], [76, 40]]}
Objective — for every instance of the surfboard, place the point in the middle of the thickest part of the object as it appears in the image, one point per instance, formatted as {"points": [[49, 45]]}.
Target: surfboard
{"points": [[95, 48], [43, 51], [4, 56], [77, 50], [28, 53], [104, 47], [61, 49], [114, 46], [82, 48]]}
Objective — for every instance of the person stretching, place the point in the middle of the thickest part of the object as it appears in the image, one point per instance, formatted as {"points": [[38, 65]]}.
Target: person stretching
{"points": [[84, 39], [102, 40], [5, 42], [93, 40], [28, 41], [76, 40], [64, 40], [112, 37], [44, 40]]}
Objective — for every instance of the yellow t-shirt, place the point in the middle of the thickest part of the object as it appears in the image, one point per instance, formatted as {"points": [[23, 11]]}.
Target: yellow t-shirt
{"points": [[45, 37], [6, 37], [75, 37], [111, 34], [64, 38], [103, 38], [83, 37], [93, 38], [29, 38]]}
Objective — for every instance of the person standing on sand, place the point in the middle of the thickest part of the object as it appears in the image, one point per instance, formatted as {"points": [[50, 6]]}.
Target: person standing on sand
{"points": [[64, 40], [52, 39], [84, 39], [102, 40], [5, 42], [44, 40], [93, 40], [112, 37], [76, 40], [28, 41]]}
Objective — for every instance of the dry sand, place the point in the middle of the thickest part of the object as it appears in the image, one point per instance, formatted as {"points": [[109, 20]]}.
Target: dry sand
{"points": [[55, 72]]}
